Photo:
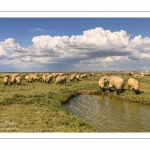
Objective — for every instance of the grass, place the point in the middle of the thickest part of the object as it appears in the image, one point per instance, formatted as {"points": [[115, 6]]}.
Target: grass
{"points": [[38, 107]]}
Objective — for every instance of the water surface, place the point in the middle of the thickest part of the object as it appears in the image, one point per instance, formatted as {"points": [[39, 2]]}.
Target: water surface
{"points": [[108, 114]]}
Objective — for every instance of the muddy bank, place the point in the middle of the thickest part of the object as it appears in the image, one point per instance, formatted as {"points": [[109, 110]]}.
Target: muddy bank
{"points": [[95, 92]]}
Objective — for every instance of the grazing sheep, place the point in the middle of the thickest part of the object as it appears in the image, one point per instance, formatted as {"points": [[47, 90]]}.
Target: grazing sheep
{"points": [[18, 80], [136, 75], [66, 73], [129, 74], [15, 74], [61, 74], [142, 74], [92, 74], [5, 80], [73, 77], [34, 77], [147, 74], [111, 83], [58, 80], [44, 78], [12, 80], [38, 79], [77, 77], [49, 78], [5, 75], [108, 78], [55, 75], [134, 84], [28, 78], [117, 83], [61, 80], [102, 83], [83, 76]]}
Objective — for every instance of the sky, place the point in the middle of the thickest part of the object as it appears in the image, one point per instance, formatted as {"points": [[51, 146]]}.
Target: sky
{"points": [[74, 44]]}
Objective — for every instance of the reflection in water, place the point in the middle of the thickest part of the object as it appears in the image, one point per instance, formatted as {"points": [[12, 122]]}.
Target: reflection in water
{"points": [[108, 114]]}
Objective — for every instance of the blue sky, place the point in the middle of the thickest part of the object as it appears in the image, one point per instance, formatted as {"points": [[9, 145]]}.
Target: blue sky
{"points": [[74, 44]]}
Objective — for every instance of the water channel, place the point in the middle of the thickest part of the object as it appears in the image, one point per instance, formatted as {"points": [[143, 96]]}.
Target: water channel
{"points": [[109, 114]]}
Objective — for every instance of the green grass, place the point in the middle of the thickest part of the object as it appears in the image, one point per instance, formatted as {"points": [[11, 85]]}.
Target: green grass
{"points": [[38, 107]]}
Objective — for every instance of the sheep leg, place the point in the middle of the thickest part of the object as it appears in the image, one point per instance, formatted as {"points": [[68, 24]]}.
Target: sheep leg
{"points": [[129, 88]]}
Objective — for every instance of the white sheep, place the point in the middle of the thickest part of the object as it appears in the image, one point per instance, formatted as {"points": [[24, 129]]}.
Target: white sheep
{"points": [[61, 80], [83, 76], [102, 83], [49, 78], [73, 77], [5, 79], [134, 84], [77, 77], [18, 80], [12, 79], [117, 83]]}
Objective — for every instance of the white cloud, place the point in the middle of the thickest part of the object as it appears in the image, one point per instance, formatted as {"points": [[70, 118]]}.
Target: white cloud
{"points": [[94, 48], [2, 52], [140, 44], [37, 29], [108, 59]]}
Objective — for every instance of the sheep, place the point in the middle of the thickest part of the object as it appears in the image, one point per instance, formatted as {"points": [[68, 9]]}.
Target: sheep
{"points": [[58, 80], [5, 80], [117, 83], [108, 78], [15, 74], [38, 79], [77, 77], [134, 84], [147, 74], [49, 78], [28, 78], [136, 75], [142, 74], [92, 74], [5, 75], [61, 80], [34, 77], [102, 83], [110, 81], [83, 76], [55, 75], [18, 80], [61, 74], [12, 80], [44, 78], [73, 77]]}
